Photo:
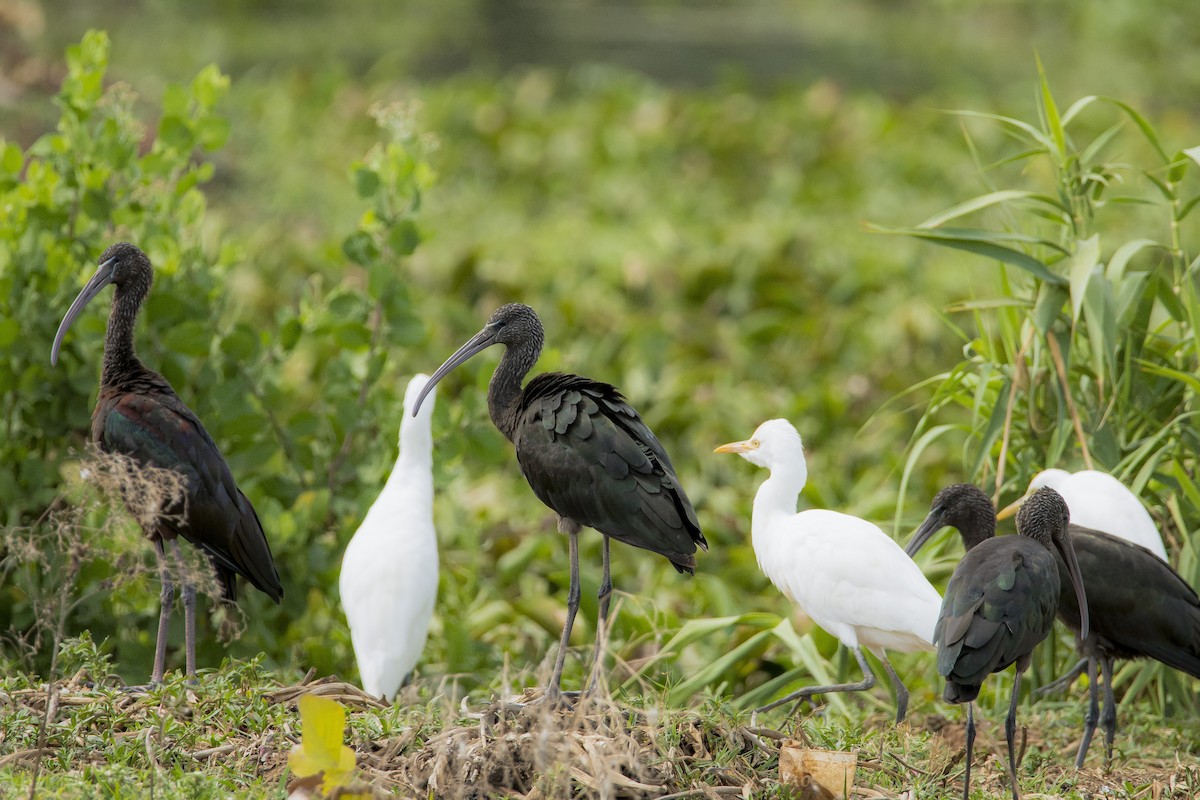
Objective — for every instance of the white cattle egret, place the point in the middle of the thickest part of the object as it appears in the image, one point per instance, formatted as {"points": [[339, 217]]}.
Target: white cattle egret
{"points": [[390, 570], [845, 573], [1099, 501]]}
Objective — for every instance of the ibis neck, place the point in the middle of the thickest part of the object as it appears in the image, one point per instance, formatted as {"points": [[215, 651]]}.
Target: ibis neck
{"points": [[119, 357], [504, 390]]}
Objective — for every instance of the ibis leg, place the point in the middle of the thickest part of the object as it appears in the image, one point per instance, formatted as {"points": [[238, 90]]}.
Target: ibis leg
{"points": [[1109, 718], [554, 690], [166, 599], [1063, 683], [970, 747], [808, 691], [189, 612], [1092, 715], [1010, 722], [901, 689], [605, 595]]}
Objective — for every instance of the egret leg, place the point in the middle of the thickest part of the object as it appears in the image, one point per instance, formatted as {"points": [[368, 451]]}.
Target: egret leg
{"points": [[970, 747], [605, 595], [554, 690], [166, 599], [1065, 682], [901, 689], [1109, 718], [189, 613], [1092, 715], [808, 691], [1010, 723]]}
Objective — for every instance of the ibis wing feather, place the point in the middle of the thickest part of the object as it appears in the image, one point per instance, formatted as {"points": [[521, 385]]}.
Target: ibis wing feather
{"points": [[603, 468], [1139, 605], [999, 604], [159, 430]]}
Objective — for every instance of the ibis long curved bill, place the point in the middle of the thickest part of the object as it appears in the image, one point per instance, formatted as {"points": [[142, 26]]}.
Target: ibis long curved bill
{"points": [[476, 344], [1067, 550], [102, 277]]}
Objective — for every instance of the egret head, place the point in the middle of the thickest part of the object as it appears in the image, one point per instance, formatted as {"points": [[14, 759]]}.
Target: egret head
{"points": [[774, 443]]}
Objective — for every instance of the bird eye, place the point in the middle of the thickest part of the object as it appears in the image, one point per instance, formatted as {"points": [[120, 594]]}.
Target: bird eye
{"points": [[755, 443]]}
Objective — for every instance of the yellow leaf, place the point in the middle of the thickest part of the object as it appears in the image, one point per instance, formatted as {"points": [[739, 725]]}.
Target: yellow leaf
{"points": [[322, 724]]}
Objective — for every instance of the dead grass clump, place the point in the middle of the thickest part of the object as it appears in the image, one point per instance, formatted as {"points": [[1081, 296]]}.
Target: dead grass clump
{"points": [[524, 748]]}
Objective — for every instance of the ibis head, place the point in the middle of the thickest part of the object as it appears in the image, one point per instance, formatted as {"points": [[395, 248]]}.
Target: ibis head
{"points": [[1044, 517], [123, 265], [514, 325], [960, 506]]}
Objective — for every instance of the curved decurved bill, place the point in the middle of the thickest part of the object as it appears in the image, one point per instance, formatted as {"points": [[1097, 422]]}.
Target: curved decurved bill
{"points": [[932, 524], [1011, 508], [1067, 549], [480, 341], [102, 278]]}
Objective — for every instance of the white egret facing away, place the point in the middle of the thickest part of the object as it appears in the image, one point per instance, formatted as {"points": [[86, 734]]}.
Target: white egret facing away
{"points": [[1100, 502], [390, 570], [845, 573]]}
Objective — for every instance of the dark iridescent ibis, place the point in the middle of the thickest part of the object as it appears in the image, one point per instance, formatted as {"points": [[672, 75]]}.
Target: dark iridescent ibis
{"points": [[1000, 604], [587, 455], [139, 415], [1138, 606]]}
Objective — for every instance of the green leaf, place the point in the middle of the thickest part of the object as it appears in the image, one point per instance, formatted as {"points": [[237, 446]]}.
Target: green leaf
{"points": [[1050, 109], [981, 202], [1048, 306], [404, 237], [1145, 127], [1115, 271], [366, 182], [987, 243], [1082, 263], [360, 248]]}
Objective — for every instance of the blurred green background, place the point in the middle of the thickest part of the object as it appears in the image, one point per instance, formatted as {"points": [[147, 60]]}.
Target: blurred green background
{"points": [[679, 189]]}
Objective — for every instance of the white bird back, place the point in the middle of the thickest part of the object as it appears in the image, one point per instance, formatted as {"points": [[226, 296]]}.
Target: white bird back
{"points": [[1099, 501], [389, 572]]}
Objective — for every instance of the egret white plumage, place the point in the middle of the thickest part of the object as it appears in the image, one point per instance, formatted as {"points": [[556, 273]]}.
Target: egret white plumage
{"points": [[845, 573], [390, 569], [1100, 502]]}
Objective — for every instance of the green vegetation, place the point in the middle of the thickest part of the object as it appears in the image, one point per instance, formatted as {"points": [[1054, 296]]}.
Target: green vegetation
{"points": [[322, 230]]}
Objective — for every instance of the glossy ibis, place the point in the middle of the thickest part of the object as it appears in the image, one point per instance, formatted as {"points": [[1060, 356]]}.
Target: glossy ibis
{"points": [[139, 415], [389, 575], [1139, 607], [845, 573], [587, 455], [1100, 502], [1001, 600]]}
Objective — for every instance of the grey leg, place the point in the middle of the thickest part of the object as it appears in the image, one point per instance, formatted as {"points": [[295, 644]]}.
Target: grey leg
{"points": [[901, 689], [166, 599], [189, 613], [1010, 723], [1109, 718], [1092, 715], [554, 690], [1063, 683], [808, 691], [970, 747], [605, 595]]}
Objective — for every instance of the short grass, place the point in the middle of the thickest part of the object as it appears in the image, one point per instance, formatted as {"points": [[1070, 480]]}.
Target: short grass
{"points": [[229, 736]]}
